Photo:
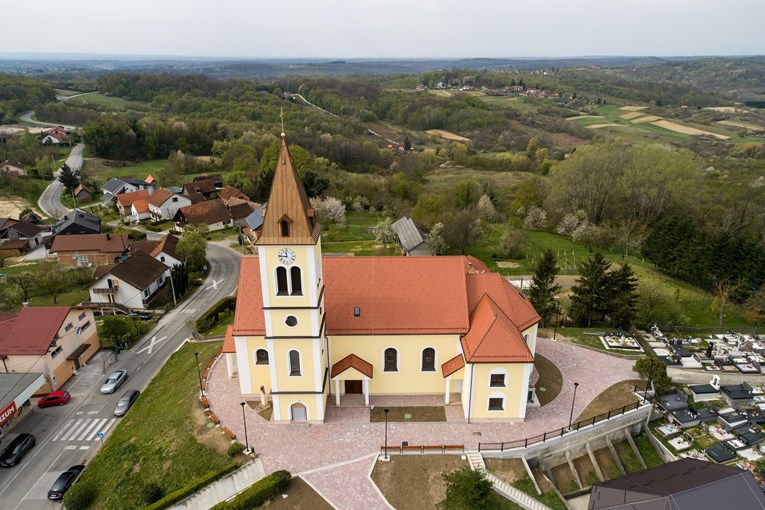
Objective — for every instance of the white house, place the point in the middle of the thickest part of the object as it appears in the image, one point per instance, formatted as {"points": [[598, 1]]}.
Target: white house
{"points": [[164, 250], [139, 211], [212, 213], [133, 283], [163, 204]]}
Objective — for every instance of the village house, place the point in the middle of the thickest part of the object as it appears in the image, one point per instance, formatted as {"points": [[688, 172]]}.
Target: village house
{"points": [[216, 179], [87, 250], [230, 192], [54, 341], [139, 211], [411, 237], [239, 210], [309, 329], [31, 217], [205, 187], [77, 222], [131, 284], [53, 138], [125, 201], [12, 168], [211, 213], [164, 203], [83, 194], [165, 250], [116, 186], [254, 223], [24, 231]]}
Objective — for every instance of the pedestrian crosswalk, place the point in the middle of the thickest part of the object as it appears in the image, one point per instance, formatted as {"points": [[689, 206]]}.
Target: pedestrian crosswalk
{"points": [[83, 429]]}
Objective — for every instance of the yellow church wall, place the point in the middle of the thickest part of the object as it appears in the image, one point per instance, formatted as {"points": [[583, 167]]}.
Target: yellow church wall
{"points": [[284, 404], [309, 322], [259, 374], [409, 379], [512, 392], [307, 379], [302, 260]]}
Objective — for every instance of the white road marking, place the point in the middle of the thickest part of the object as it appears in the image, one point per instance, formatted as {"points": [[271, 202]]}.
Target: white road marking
{"points": [[76, 429], [149, 348], [108, 425], [92, 435], [86, 447], [95, 423], [215, 284], [92, 412], [69, 447], [63, 429]]}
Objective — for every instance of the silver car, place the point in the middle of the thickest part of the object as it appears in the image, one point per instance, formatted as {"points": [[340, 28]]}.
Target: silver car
{"points": [[114, 381], [125, 402]]}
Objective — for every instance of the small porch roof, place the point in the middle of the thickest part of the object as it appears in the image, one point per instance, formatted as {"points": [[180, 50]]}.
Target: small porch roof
{"points": [[453, 365], [352, 361]]}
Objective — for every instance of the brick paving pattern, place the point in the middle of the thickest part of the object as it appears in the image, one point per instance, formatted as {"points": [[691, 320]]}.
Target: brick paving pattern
{"points": [[347, 434]]}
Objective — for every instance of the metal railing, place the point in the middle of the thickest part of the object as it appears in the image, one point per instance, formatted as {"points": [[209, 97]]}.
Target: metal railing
{"points": [[554, 434]]}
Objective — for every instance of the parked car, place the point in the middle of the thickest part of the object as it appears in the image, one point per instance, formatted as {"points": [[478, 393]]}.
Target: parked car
{"points": [[16, 449], [57, 398], [114, 381], [127, 400], [64, 481], [144, 316]]}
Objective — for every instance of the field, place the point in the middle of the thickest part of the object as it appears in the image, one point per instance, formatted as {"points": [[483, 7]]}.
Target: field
{"points": [[102, 102], [448, 135], [96, 169], [745, 125], [163, 439], [687, 130], [516, 103]]}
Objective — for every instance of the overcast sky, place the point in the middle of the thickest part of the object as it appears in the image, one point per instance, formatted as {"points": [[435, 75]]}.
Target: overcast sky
{"points": [[386, 28]]}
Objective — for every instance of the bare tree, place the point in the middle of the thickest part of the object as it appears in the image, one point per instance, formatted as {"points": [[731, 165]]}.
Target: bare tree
{"points": [[724, 290], [24, 281]]}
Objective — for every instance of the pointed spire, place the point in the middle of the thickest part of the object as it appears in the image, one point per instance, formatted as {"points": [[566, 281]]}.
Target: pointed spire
{"points": [[289, 216]]}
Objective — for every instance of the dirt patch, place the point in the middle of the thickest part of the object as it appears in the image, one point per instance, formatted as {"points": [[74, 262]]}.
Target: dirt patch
{"points": [[598, 126], [686, 130], [567, 140], [631, 115], [724, 109], [508, 265], [408, 414], [564, 479], [212, 437], [300, 496], [744, 125], [633, 108], [550, 380], [614, 397], [11, 207], [415, 482], [447, 135], [267, 413], [646, 118], [509, 470], [585, 117], [607, 463], [586, 470]]}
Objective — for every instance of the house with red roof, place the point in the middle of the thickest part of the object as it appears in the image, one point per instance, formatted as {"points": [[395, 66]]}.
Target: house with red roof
{"points": [[53, 340], [312, 332]]}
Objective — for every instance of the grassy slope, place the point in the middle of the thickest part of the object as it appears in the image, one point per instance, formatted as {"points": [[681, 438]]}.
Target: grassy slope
{"points": [[155, 442]]}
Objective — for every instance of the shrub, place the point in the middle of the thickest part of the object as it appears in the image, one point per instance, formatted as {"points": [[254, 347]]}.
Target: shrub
{"points": [[466, 490], [208, 319], [151, 493], [186, 491], [80, 496], [257, 494], [235, 449]]}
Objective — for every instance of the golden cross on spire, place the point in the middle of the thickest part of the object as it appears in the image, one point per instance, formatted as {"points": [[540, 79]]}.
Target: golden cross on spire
{"points": [[281, 114]]}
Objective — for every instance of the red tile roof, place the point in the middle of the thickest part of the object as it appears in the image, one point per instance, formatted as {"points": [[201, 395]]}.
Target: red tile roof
{"points": [[140, 206], [228, 341], [159, 197], [453, 365], [33, 331], [127, 199], [355, 362], [104, 243], [208, 212], [409, 295], [493, 337], [231, 192]]}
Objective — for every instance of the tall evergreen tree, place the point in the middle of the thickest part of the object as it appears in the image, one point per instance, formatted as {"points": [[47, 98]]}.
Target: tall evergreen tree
{"points": [[543, 289], [592, 293], [624, 296], [68, 178]]}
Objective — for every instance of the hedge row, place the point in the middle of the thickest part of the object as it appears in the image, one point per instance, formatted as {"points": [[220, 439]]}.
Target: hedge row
{"points": [[258, 493], [192, 488], [208, 319]]}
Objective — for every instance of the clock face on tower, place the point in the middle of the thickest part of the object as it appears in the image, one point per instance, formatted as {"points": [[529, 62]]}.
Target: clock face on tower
{"points": [[286, 256]]}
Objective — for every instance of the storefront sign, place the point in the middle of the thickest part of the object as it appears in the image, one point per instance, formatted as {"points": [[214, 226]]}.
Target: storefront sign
{"points": [[8, 412]]}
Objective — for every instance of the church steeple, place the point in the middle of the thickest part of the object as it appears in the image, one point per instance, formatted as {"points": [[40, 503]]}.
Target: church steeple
{"points": [[289, 218]]}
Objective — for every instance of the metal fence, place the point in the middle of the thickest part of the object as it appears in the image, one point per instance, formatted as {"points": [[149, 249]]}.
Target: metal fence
{"points": [[554, 434]]}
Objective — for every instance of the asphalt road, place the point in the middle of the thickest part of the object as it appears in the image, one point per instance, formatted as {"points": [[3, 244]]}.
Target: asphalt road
{"points": [[50, 200], [67, 435], [28, 118]]}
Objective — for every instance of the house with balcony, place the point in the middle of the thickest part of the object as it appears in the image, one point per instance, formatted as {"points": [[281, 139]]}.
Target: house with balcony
{"points": [[132, 284]]}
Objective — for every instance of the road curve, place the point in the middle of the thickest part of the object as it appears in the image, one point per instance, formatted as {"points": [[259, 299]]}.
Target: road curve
{"points": [[27, 117], [50, 200]]}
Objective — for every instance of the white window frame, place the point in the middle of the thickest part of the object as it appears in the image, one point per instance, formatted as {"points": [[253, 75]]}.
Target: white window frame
{"points": [[398, 360], [435, 360], [300, 363], [498, 371], [496, 394]]}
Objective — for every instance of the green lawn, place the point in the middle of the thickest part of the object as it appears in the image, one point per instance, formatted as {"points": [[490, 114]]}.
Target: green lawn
{"points": [[156, 442], [647, 451], [95, 169], [69, 298], [550, 498]]}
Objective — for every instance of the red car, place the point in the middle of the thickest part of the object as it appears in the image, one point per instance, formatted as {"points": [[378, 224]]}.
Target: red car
{"points": [[57, 398]]}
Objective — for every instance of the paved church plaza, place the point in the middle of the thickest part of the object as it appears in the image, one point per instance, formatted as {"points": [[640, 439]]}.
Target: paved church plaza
{"points": [[337, 456]]}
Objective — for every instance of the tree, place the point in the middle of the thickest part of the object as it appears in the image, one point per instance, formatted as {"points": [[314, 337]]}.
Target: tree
{"points": [[544, 289], [384, 233], [754, 308], [466, 490], [623, 283], [654, 369], [591, 295], [724, 290], [25, 281], [462, 230], [68, 178], [193, 247], [656, 305], [486, 209], [328, 210], [435, 240], [514, 243], [407, 143], [180, 275], [116, 328], [51, 278], [536, 218], [313, 184]]}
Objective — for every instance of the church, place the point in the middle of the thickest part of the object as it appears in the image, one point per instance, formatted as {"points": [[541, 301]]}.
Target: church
{"points": [[310, 331]]}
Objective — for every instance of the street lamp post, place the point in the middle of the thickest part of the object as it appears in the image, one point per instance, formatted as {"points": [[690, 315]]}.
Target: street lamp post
{"points": [[199, 374], [386, 433], [573, 401], [244, 420]]}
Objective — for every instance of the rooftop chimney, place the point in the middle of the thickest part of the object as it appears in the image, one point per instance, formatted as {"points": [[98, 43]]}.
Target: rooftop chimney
{"points": [[108, 236]]}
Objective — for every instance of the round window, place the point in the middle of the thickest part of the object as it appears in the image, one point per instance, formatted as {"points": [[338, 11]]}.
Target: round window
{"points": [[291, 321]]}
